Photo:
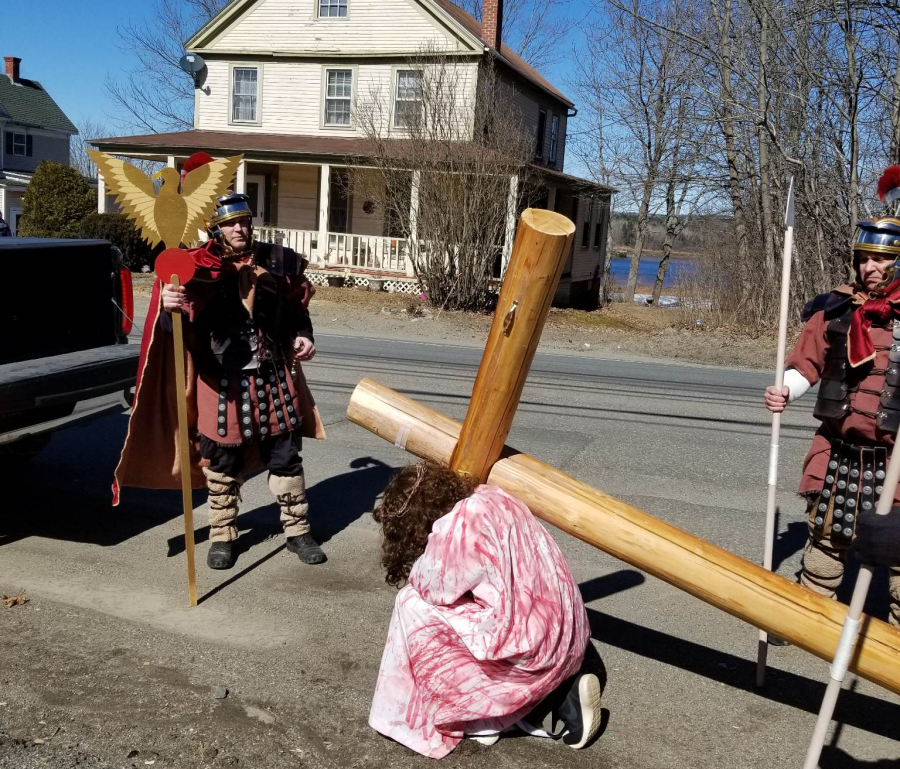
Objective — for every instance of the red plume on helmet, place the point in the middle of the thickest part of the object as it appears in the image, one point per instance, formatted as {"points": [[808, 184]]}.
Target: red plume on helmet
{"points": [[889, 184], [201, 159]]}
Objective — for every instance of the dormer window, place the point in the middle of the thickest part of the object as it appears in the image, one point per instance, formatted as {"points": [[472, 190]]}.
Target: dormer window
{"points": [[245, 95], [332, 9]]}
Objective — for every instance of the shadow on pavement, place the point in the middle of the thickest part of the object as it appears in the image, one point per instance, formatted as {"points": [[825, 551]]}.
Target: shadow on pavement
{"points": [[65, 492], [835, 758], [854, 709]]}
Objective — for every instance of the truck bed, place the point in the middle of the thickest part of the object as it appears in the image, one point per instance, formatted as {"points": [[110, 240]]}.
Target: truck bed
{"points": [[67, 378]]}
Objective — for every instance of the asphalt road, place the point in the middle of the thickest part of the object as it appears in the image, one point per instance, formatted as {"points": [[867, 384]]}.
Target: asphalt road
{"points": [[108, 651]]}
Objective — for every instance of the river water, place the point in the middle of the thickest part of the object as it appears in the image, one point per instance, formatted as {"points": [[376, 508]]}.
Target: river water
{"points": [[647, 271]]}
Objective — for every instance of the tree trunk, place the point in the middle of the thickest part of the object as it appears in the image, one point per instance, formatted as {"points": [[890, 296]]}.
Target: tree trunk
{"points": [[765, 173], [727, 123], [639, 241], [671, 231]]}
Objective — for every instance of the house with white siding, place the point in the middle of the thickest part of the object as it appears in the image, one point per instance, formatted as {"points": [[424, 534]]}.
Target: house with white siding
{"points": [[281, 85], [32, 128]]}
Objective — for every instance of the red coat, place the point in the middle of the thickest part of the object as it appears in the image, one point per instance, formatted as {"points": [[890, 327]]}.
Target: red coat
{"points": [[150, 458]]}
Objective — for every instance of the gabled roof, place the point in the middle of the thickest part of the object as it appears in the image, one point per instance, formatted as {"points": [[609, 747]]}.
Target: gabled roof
{"points": [[446, 8], [505, 54], [27, 103]]}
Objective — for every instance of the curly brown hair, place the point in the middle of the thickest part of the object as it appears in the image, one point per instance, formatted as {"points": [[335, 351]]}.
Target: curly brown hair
{"points": [[414, 499]]}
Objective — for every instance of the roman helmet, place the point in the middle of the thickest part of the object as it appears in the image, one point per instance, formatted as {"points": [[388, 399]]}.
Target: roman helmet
{"points": [[229, 208], [881, 235]]}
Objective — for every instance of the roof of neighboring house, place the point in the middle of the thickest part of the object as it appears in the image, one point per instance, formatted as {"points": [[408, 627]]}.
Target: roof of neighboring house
{"points": [[277, 146], [27, 103], [505, 54]]}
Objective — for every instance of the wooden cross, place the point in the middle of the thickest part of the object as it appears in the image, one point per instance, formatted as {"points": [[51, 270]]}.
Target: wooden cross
{"points": [[476, 448]]}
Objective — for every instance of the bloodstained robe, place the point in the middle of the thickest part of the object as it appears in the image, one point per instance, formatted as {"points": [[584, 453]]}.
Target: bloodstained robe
{"points": [[490, 623]]}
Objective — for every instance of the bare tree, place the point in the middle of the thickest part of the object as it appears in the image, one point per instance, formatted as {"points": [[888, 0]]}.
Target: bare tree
{"points": [[157, 95], [534, 29], [88, 128], [635, 81], [445, 186]]}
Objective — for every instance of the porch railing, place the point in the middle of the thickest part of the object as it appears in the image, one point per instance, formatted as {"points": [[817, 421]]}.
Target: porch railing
{"points": [[365, 252]]}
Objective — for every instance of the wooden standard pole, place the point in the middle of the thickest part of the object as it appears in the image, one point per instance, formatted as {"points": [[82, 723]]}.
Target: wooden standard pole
{"points": [[184, 448], [543, 241], [722, 579], [763, 647]]}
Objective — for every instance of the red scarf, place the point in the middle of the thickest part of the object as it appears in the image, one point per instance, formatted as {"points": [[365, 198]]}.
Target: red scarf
{"points": [[877, 306]]}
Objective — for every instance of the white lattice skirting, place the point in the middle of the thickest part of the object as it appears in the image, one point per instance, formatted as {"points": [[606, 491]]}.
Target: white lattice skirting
{"points": [[393, 285]]}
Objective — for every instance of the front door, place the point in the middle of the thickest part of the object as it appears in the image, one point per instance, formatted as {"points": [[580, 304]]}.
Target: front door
{"points": [[256, 191], [15, 213]]}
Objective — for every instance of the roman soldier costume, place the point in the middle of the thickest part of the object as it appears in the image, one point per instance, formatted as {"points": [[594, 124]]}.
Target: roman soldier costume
{"points": [[247, 396], [850, 345]]}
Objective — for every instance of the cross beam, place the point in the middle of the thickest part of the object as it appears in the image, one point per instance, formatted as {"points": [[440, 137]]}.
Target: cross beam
{"points": [[722, 579]]}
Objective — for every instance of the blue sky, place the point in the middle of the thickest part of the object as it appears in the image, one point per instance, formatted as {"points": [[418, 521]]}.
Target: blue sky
{"points": [[69, 47]]}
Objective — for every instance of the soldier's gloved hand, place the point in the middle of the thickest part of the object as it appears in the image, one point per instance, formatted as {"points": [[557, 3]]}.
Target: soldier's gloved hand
{"points": [[776, 401], [173, 298], [304, 349], [878, 539]]}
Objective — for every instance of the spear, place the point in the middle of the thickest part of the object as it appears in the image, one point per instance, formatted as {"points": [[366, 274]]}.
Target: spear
{"points": [[776, 418], [844, 652]]}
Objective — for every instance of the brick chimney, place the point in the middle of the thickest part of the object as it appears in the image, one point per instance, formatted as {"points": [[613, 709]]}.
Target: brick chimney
{"points": [[492, 22], [12, 67]]}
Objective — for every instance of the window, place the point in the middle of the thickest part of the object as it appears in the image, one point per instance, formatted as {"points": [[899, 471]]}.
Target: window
{"points": [[586, 229], [245, 95], [604, 218], [408, 98], [338, 96], [330, 9], [542, 130], [19, 144], [554, 137]]}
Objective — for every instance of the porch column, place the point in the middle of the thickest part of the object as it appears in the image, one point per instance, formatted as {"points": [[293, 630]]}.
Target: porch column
{"points": [[324, 205], [101, 193], [511, 210], [551, 198], [170, 162], [412, 248], [240, 179]]}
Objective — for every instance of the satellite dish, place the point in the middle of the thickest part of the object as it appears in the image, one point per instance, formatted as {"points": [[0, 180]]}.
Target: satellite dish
{"points": [[192, 63]]}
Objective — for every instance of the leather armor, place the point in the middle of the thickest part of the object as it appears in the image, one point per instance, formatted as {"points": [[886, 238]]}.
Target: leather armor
{"points": [[839, 379]]}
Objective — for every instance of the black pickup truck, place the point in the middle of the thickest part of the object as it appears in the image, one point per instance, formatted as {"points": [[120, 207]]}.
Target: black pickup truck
{"points": [[65, 318]]}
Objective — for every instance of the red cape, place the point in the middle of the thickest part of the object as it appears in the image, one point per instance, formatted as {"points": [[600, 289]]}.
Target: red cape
{"points": [[151, 458]]}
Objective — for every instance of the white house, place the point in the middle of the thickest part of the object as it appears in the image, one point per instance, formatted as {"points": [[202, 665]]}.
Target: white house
{"points": [[281, 85], [32, 128]]}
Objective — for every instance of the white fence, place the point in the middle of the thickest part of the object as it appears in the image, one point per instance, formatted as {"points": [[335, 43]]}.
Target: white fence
{"points": [[366, 252]]}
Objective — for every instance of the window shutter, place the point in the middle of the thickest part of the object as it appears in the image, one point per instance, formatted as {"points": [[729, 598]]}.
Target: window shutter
{"points": [[29, 145], [8, 143]]}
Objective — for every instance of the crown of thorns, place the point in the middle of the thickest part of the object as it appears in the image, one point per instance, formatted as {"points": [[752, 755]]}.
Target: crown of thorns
{"points": [[388, 513]]}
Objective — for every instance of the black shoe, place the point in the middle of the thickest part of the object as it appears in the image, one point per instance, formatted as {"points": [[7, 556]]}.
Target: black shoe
{"points": [[774, 640], [220, 556], [306, 548]]}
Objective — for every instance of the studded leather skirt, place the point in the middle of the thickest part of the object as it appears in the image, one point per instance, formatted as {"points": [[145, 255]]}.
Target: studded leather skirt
{"points": [[851, 488], [243, 406]]}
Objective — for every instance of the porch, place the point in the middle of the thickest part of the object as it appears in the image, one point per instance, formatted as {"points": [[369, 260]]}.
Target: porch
{"points": [[300, 198]]}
